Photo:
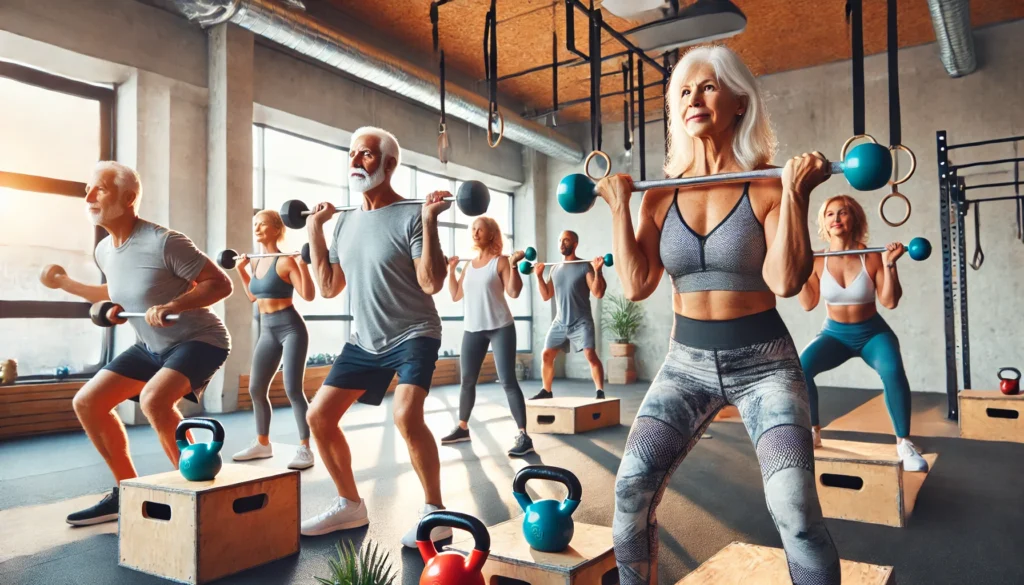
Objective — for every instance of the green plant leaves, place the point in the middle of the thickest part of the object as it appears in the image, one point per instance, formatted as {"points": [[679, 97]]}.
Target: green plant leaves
{"points": [[622, 318], [370, 566]]}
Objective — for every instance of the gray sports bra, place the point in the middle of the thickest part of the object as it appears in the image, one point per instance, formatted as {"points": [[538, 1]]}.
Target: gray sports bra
{"points": [[729, 257], [271, 286]]}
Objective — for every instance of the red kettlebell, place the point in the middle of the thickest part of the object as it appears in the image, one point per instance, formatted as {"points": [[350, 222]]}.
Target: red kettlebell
{"points": [[1009, 386], [450, 567]]}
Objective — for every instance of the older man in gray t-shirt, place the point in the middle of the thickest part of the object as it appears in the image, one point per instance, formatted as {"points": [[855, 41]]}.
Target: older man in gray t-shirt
{"points": [[159, 272], [389, 259]]}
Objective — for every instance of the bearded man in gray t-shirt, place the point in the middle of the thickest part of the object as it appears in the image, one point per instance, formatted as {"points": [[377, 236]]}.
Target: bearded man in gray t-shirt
{"points": [[157, 271], [389, 259], [573, 328]]}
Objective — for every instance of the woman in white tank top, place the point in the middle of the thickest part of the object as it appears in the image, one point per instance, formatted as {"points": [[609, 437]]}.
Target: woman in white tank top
{"points": [[483, 285], [849, 285]]}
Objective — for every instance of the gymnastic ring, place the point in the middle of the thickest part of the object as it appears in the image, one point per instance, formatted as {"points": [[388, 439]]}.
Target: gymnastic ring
{"points": [[913, 162], [607, 163], [490, 128], [444, 146], [881, 207], [849, 141]]}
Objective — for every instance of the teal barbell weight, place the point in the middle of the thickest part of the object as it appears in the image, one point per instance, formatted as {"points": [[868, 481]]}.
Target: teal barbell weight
{"points": [[547, 524], [199, 461]]}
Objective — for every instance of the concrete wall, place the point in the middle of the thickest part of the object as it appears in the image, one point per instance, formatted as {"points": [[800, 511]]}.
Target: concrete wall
{"points": [[161, 66], [811, 109]]}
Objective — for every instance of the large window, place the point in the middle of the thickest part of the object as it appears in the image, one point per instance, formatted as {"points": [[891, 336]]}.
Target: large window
{"points": [[52, 130], [293, 167]]}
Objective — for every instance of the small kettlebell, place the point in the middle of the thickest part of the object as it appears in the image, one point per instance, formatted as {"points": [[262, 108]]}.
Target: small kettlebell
{"points": [[199, 461], [547, 525], [1009, 386], [450, 567]]}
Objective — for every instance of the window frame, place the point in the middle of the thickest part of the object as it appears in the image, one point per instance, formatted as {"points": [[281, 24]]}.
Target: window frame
{"points": [[107, 99], [259, 184]]}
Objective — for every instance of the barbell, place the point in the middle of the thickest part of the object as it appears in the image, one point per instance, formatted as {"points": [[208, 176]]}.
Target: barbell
{"points": [[228, 258], [867, 167], [918, 249], [98, 313], [473, 199]]}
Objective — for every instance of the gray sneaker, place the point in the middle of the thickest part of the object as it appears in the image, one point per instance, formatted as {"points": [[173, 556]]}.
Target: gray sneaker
{"points": [[523, 445]]}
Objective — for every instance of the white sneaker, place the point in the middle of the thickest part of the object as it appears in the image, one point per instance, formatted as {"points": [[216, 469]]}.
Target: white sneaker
{"points": [[816, 437], [439, 533], [912, 460], [256, 450], [303, 458], [340, 515]]}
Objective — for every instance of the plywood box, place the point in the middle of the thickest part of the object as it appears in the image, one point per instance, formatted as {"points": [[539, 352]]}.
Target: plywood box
{"points": [[991, 416], [866, 482], [570, 415], [587, 559], [198, 531], [748, 564]]}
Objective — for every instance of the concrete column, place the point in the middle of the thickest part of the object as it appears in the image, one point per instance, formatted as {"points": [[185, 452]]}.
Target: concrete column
{"points": [[229, 191]]}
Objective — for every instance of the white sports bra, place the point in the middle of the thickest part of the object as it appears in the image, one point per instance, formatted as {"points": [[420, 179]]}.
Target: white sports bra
{"points": [[859, 291]]}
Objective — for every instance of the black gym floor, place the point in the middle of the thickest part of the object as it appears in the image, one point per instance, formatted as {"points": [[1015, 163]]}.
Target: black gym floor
{"points": [[967, 527]]}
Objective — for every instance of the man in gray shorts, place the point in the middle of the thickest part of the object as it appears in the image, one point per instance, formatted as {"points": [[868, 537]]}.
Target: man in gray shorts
{"points": [[153, 270], [389, 257], [573, 327]]}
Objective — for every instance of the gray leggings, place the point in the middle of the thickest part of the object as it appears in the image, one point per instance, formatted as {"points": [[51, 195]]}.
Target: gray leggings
{"points": [[283, 332], [766, 384], [474, 350]]}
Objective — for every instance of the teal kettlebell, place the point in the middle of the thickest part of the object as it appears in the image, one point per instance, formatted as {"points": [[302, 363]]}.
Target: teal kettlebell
{"points": [[199, 461], [547, 524]]}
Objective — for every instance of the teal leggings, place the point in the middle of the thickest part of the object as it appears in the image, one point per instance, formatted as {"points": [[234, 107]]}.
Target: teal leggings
{"points": [[875, 343]]}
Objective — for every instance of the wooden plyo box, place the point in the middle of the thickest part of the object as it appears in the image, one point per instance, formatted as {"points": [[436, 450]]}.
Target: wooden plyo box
{"points": [[866, 482], [569, 416], [747, 564], [991, 416], [198, 531], [587, 559]]}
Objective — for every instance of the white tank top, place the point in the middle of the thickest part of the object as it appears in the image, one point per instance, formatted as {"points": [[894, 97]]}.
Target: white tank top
{"points": [[860, 291], [486, 308]]}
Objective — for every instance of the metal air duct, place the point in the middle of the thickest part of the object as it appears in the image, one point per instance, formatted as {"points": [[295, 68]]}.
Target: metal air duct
{"points": [[952, 22], [304, 35]]}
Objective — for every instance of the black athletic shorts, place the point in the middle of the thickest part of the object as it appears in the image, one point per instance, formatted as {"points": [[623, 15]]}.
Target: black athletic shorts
{"points": [[357, 369], [196, 360]]}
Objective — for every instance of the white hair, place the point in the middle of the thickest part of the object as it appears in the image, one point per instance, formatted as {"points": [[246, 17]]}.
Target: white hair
{"points": [[125, 178], [754, 143], [388, 143]]}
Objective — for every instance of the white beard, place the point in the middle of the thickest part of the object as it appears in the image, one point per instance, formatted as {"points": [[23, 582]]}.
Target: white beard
{"points": [[107, 215], [362, 182]]}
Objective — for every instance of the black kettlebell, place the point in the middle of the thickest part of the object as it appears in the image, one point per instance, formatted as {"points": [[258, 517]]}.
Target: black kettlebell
{"points": [[199, 461]]}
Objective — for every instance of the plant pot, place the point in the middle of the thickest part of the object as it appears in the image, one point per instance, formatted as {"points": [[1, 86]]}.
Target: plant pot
{"points": [[622, 366], [620, 349]]}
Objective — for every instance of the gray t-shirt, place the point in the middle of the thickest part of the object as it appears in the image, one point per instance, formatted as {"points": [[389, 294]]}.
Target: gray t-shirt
{"points": [[572, 295], [152, 267], [376, 249]]}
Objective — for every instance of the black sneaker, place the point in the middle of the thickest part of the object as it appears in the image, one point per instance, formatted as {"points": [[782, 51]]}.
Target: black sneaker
{"points": [[457, 436], [542, 394], [524, 445], [105, 511], [600, 394]]}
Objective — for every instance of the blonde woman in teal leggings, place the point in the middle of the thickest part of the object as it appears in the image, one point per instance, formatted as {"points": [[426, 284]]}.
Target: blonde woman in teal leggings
{"points": [[849, 285]]}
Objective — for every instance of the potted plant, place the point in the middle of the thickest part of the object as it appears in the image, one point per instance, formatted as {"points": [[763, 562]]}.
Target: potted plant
{"points": [[367, 567], [622, 319]]}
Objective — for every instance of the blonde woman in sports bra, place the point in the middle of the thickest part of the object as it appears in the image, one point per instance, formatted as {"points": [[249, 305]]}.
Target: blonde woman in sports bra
{"points": [[849, 285]]}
